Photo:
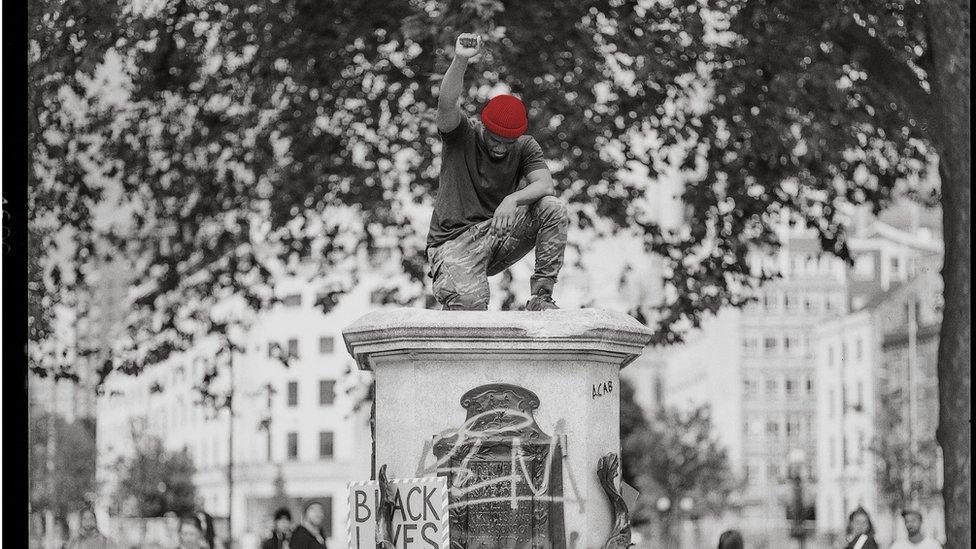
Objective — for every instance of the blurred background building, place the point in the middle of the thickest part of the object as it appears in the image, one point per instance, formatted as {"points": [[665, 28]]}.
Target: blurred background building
{"points": [[805, 367], [300, 431]]}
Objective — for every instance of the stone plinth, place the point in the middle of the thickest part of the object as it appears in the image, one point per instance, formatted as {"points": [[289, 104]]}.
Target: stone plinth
{"points": [[540, 394]]}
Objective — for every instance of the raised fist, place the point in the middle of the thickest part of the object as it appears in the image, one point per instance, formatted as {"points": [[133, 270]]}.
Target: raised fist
{"points": [[468, 45]]}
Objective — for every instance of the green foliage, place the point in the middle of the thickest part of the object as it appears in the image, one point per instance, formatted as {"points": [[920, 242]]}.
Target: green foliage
{"points": [[905, 475], [71, 486], [679, 456], [156, 480], [242, 135], [632, 422], [39, 315]]}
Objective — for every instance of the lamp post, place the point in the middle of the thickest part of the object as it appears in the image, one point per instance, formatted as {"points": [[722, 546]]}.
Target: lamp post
{"points": [[689, 521], [797, 461], [663, 506]]}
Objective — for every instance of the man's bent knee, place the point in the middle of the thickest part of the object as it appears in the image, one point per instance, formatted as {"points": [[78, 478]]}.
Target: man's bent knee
{"points": [[552, 208]]}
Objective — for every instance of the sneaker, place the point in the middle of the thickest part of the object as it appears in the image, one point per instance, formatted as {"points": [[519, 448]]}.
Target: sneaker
{"points": [[542, 302]]}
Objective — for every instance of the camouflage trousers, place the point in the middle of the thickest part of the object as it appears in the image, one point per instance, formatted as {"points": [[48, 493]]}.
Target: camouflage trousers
{"points": [[461, 267]]}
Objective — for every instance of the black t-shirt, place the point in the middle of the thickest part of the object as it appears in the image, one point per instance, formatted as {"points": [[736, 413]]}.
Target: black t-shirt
{"points": [[276, 541], [472, 183], [301, 538]]}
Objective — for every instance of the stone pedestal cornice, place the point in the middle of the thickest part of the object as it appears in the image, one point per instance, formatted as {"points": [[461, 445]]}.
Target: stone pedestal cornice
{"points": [[523, 332]]}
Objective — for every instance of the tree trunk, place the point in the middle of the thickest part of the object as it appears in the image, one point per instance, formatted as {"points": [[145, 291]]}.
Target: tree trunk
{"points": [[950, 86]]}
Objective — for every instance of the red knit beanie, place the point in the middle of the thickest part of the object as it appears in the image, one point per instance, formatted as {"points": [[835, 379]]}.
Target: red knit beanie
{"points": [[504, 115]]}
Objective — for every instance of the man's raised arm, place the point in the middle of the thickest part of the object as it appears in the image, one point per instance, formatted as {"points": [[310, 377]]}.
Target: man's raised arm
{"points": [[448, 112]]}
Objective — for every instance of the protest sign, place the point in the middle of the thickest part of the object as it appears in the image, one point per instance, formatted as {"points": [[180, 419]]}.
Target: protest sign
{"points": [[419, 513]]}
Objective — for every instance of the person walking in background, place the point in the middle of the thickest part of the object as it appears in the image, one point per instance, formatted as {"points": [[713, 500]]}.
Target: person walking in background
{"points": [[916, 539], [191, 533], [860, 531], [730, 539], [280, 532], [88, 536], [308, 535], [207, 527]]}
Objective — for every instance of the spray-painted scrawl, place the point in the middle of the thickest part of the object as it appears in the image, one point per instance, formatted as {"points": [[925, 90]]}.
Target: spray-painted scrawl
{"points": [[504, 473]]}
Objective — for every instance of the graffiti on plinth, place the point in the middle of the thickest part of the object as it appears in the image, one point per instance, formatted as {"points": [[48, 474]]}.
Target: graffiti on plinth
{"points": [[504, 473]]}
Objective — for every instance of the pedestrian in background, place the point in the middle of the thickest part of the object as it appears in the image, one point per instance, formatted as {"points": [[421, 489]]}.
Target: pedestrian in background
{"points": [[280, 532], [730, 539], [207, 527], [308, 535], [191, 533], [916, 539], [88, 536], [860, 531]]}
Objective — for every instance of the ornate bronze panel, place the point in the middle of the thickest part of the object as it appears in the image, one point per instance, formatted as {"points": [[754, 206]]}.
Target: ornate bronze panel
{"points": [[504, 474]]}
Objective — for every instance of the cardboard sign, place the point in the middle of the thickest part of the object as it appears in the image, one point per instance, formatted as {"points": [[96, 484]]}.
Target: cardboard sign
{"points": [[630, 494], [419, 513]]}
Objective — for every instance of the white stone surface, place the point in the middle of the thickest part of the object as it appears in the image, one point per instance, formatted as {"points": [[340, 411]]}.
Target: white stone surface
{"points": [[424, 361]]}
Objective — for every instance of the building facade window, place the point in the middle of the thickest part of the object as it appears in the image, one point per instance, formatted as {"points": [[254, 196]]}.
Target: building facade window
{"points": [[793, 428], [771, 386], [789, 386], [750, 387], [864, 267], [326, 445], [326, 345], [326, 392], [293, 348], [794, 344], [769, 343], [772, 429], [292, 446], [749, 344], [292, 394]]}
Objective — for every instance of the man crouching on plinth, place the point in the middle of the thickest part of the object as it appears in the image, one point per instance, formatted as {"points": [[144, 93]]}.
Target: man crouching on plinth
{"points": [[485, 218]]}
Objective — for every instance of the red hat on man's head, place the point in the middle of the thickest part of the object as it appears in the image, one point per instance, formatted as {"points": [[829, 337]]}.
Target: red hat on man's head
{"points": [[504, 115]]}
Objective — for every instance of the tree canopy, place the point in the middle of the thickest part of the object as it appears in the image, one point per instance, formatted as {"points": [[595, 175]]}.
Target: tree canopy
{"points": [[241, 137], [156, 481], [71, 451]]}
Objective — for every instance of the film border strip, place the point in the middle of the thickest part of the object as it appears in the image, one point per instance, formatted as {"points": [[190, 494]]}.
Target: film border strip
{"points": [[444, 532]]}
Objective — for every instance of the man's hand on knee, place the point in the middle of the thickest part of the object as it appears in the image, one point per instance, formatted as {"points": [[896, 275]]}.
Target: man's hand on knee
{"points": [[505, 216]]}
